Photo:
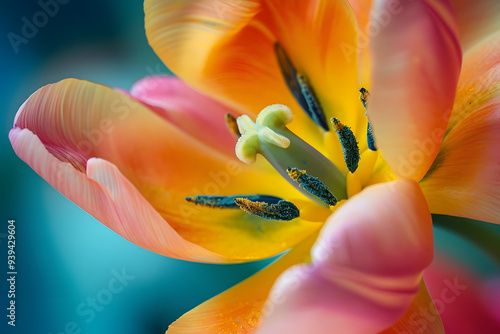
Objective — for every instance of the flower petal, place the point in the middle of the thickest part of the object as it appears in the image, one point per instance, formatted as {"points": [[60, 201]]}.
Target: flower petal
{"points": [[78, 120], [464, 180], [357, 283], [110, 198], [187, 109], [239, 309], [477, 19], [227, 50], [415, 65], [479, 81], [421, 317]]}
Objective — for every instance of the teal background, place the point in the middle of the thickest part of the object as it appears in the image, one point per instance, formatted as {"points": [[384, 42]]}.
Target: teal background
{"points": [[63, 255]]}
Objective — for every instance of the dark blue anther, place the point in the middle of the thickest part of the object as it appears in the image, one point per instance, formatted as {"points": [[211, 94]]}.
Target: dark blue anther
{"points": [[312, 185], [283, 210], [363, 97], [349, 144], [369, 137], [227, 202], [301, 89]]}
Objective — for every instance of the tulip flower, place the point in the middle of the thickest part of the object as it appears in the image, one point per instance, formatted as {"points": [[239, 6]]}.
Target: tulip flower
{"points": [[330, 129]]}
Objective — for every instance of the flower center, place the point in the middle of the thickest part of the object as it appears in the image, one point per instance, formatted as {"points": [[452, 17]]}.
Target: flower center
{"points": [[320, 180]]}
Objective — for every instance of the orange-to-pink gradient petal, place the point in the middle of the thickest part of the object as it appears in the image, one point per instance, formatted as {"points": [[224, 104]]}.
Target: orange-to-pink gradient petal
{"points": [[477, 19], [78, 120], [227, 50], [357, 282], [110, 198], [464, 180], [187, 109], [415, 63]]}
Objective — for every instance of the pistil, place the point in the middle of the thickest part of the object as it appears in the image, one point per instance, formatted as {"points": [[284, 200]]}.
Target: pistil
{"points": [[270, 137]]}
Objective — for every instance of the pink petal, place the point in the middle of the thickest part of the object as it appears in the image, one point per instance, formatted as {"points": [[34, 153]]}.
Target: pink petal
{"points": [[109, 197], [415, 64], [366, 266], [187, 109], [463, 300]]}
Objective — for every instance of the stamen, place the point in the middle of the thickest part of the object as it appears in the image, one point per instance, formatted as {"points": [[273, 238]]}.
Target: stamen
{"points": [[232, 125], [314, 110], [283, 210], [227, 202], [282, 148], [300, 88], [349, 144], [364, 96], [312, 185], [369, 137]]}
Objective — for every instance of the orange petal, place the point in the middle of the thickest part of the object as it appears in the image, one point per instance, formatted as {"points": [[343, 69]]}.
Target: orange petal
{"points": [[479, 81], [464, 180], [109, 197], [357, 282], [239, 309], [477, 19], [78, 120], [226, 49], [415, 63], [361, 9]]}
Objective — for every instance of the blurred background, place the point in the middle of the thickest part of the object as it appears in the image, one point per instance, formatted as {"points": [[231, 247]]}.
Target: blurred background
{"points": [[64, 256]]}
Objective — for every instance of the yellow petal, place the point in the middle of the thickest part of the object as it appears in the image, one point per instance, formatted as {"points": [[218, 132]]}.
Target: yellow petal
{"points": [[78, 120], [226, 49]]}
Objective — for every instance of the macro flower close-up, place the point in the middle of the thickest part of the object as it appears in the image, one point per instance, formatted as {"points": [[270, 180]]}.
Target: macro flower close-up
{"points": [[340, 137]]}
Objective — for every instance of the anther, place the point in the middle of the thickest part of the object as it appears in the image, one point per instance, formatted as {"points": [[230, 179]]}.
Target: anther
{"points": [[348, 143], [300, 88], [283, 210], [364, 96], [232, 125], [227, 202], [314, 110], [312, 185], [369, 137]]}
